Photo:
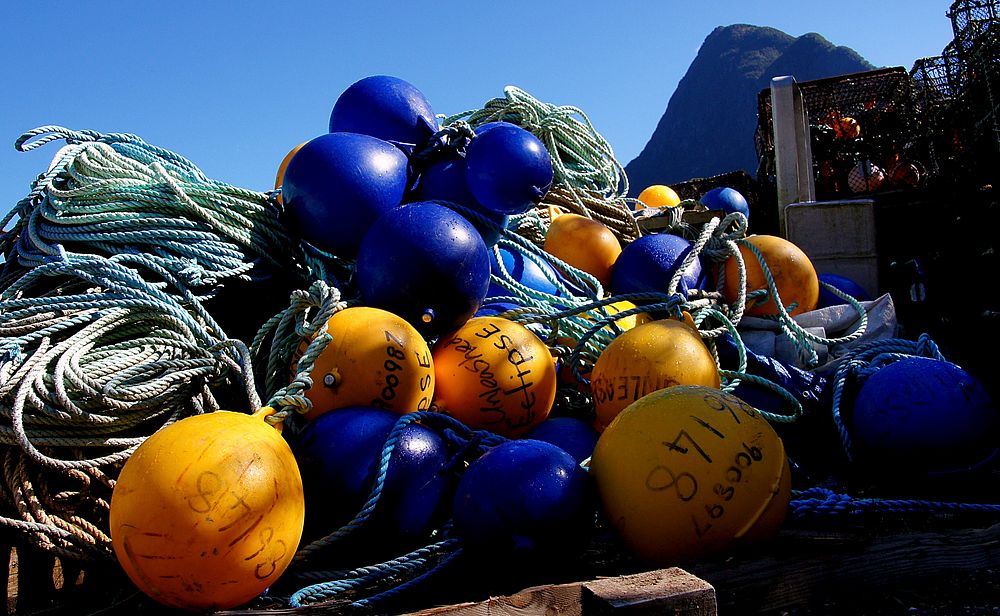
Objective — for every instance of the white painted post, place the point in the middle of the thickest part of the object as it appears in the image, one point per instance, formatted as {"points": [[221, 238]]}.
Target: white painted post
{"points": [[792, 147]]}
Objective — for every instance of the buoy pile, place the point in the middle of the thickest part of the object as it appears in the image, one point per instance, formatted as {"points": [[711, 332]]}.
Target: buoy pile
{"points": [[485, 356]]}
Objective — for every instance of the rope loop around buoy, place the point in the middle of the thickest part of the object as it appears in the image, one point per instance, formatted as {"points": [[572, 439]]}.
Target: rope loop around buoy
{"points": [[863, 361]]}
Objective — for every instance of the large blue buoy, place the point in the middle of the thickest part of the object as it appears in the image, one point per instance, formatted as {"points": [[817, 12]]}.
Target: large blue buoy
{"points": [[533, 273], [648, 264], [445, 181], [522, 495], [339, 454], [337, 185], [574, 436], [727, 199], [843, 284], [385, 107], [508, 169], [425, 263], [923, 415]]}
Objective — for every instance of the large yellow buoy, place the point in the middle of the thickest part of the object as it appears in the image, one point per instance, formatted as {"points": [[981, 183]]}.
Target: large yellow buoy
{"points": [[586, 244], [208, 511], [686, 472], [792, 271], [494, 374], [645, 358], [375, 358], [657, 196]]}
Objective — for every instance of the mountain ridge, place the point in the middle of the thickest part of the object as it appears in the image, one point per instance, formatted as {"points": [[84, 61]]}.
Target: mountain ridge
{"points": [[708, 125]]}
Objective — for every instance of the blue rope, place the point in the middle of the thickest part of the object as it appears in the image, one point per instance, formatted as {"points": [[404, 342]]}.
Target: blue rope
{"points": [[425, 562], [415, 566], [429, 419], [821, 502], [863, 361]]}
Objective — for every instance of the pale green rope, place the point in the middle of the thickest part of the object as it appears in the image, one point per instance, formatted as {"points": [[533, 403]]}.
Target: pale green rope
{"points": [[103, 335]]}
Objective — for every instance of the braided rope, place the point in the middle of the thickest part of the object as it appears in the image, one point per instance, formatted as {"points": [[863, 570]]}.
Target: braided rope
{"points": [[817, 501], [587, 178], [103, 336], [862, 361]]}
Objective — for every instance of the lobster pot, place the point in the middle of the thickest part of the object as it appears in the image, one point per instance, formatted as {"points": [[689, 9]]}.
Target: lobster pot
{"points": [[868, 116], [969, 20]]}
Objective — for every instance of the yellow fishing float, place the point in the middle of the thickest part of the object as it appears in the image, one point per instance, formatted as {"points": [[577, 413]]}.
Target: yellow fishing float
{"points": [[648, 357], [494, 374], [686, 472], [208, 511], [375, 358], [657, 196]]}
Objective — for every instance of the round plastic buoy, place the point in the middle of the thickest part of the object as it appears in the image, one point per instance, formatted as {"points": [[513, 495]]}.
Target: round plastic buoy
{"points": [[865, 176], [385, 107], [648, 264], [685, 472], [530, 271], [522, 495], [339, 456], [208, 511], [924, 415], [426, 263], [337, 185], [727, 199], [586, 244], [842, 284], [656, 196], [445, 181], [494, 374], [846, 127], [906, 174], [508, 169], [375, 358], [648, 357], [792, 271], [574, 436]]}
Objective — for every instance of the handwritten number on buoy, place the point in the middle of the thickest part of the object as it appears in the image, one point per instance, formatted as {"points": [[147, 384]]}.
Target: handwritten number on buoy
{"points": [[662, 478]]}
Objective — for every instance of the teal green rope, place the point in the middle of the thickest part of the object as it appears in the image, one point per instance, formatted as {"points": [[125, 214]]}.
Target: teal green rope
{"points": [[103, 336], [581, 158]]}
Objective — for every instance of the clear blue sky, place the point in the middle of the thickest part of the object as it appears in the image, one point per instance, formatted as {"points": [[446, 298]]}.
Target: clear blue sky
{"points": [[234, 85]]}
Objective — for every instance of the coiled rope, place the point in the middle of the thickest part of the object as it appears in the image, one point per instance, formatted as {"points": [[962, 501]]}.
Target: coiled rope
{"points": [[587, 178], [103, 334]]}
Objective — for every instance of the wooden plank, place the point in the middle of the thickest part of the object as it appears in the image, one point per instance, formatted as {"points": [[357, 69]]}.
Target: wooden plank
{"points": [[795, 570], [664, 591], [9, 560], [652, 592]]}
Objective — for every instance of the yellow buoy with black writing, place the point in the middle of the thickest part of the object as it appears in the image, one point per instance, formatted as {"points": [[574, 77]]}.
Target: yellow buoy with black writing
{"points": [[648, 357], [686, 472], [494, 374], [208, 511], [375, 358]]}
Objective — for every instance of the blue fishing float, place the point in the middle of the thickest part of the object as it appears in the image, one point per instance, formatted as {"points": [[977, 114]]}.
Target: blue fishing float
{"points": [[842, 284], [574, 436], [445, 181], [338, 184], [648, 264], [425, 263], [339, 455], [522, 495], [385, 107], [727, 199], [922, 415], [508, 169], [492, 308], [535, 273]]}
